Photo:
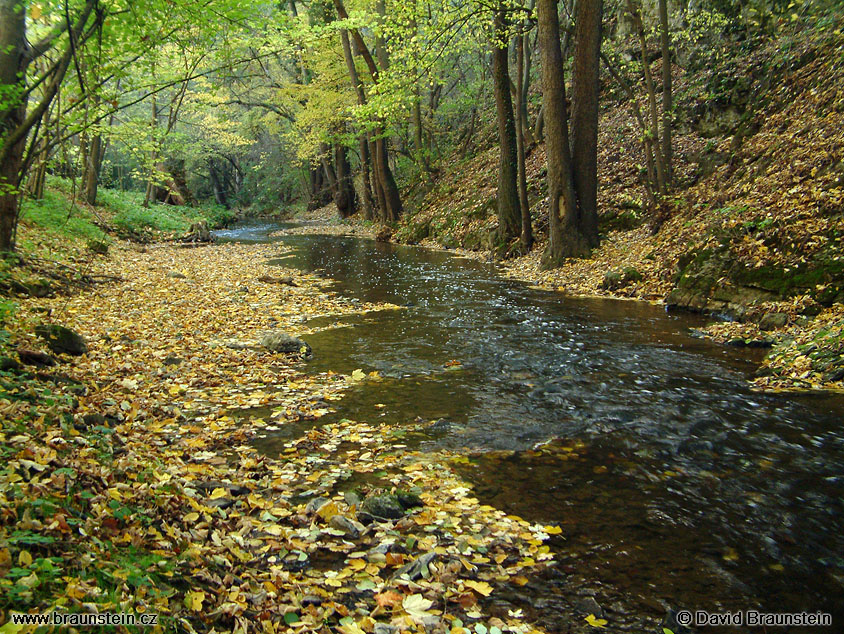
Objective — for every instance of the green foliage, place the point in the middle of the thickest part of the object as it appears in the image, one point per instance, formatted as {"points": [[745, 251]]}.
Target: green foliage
{"points": [[56, 214]]}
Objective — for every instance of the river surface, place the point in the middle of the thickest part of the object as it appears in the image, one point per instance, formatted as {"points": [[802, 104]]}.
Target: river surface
{"points": [[677, 487]]}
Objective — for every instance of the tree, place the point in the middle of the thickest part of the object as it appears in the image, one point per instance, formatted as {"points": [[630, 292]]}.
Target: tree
{"points": [[568, 230], [584, 116], [509, 206], [16, 119]]}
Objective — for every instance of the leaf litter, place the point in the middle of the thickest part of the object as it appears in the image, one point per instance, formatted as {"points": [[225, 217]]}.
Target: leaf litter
{"points": [[134, 487]]}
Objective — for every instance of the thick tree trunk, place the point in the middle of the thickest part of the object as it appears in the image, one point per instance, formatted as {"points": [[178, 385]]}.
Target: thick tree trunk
{"points": [[521, 128], [565, 236], [12, 63], [584, 116], [509, 208]]}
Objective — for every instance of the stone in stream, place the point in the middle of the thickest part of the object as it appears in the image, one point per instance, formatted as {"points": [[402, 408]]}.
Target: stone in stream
{"points": [[315, 505], [417, 568], [772, 321], [351, 528], [282, 342], [60, 339], [381, 507]]}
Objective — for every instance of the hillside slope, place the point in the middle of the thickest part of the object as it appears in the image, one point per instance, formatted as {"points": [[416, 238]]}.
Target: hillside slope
{"points": [[752, 231]]}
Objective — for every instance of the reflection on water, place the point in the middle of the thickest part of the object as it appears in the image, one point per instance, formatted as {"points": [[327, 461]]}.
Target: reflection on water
{"points": [[676, 485]]}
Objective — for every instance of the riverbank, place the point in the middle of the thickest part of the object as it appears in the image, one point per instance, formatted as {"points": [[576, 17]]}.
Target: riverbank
{"points": [[130, 483]]}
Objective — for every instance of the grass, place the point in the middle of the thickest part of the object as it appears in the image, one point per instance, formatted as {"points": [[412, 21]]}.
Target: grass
{"points": [[122, 209], [56, 215]]}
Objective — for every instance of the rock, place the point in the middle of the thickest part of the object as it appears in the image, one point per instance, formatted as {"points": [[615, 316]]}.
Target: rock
{"points": [[7, 364], [62, 340], [282, 342], [409, 499], [315, 505], [385, 234], [834, 376], [614, 280], [588, 605], [352, 528], [772, 321], [385, 628], [383, 507], [352, 499], [177, 276], [670, 622], [220, 503], [95, 420], [100, 247], [36, 358], [269, 279], [210, 485], [312, 599], [417, 568], [172, 360]]}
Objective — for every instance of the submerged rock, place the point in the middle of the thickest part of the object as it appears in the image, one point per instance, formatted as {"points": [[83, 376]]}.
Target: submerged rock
{"points": [[282, 342], [417, 568], [60, 339], [350, 527], [382, 507]]}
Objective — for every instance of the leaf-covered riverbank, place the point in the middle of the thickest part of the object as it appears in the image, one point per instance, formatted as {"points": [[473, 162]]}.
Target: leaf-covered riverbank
{"points": [[130, 485]]}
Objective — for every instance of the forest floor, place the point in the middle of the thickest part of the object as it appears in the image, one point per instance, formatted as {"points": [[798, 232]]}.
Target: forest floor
{"points": [[129, 482]]}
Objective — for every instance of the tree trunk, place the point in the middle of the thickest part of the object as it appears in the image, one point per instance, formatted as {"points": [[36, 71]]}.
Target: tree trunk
{"points": [[392, 199], [565, 232], [667, 106], [521, 128], [653, 131], [584, 116], [217, 184], [509, 209], [12, 63], [92, 169], [383, 183], [344, 196], [365, 162]]}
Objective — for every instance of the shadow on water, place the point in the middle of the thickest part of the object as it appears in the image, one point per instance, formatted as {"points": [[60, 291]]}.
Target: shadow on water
{"points": [[675, 485]]}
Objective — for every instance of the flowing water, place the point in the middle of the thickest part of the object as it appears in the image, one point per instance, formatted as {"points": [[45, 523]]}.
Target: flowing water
{"points": [[676, 486]]}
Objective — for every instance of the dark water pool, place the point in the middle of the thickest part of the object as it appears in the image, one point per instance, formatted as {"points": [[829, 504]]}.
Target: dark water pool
{"points": [[676, 485]]}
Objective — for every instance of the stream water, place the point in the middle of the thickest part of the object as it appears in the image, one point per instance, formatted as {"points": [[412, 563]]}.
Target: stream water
{"points": [[676, 486]]}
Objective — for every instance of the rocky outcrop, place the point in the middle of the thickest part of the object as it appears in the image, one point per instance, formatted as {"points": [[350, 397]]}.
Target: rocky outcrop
{"points": [[62, 340]]}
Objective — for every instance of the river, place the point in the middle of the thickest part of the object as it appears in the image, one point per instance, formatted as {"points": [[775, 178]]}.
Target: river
{"points": [[677, 487]]}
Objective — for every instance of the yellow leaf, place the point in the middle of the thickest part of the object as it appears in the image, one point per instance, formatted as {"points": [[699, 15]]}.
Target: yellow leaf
{"points": [[24, 558], [358, 375], [482, 587], [191, 517], [194, 599], [218, 493], [595, 622], [327, 511], [553, 530], [35, 11]]}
